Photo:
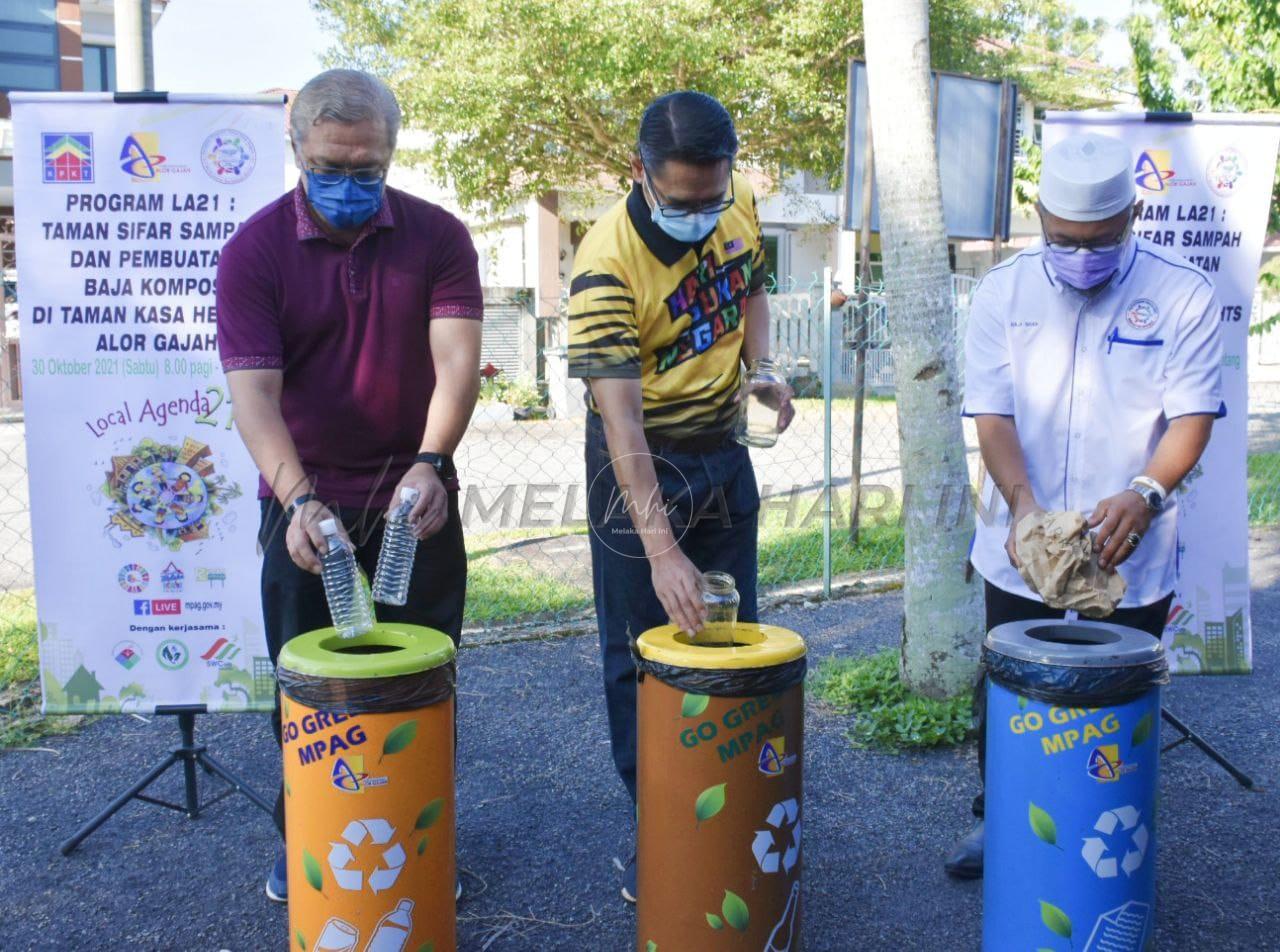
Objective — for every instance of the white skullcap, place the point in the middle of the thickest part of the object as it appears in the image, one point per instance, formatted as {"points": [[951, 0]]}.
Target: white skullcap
{"points": [[1087, 177]]}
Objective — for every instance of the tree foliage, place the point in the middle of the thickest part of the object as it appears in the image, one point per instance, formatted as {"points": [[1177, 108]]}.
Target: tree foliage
{"points": [[523, 96]]}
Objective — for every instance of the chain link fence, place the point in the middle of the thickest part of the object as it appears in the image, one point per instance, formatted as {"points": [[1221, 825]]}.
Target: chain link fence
{"points": [[524, 495]]}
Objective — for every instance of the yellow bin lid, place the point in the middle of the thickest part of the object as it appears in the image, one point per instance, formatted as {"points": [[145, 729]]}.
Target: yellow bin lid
{"points": [[744, 645], [390, 649]]}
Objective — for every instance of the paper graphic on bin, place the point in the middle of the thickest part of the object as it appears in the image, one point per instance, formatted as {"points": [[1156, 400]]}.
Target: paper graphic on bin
{"points": [[1101, 859], [342, 860], [779, 847], [1121, 930]]}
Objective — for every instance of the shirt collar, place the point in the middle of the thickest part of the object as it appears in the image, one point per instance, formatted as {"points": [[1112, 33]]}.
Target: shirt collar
{"points": [[663, 247], [308, 229]]}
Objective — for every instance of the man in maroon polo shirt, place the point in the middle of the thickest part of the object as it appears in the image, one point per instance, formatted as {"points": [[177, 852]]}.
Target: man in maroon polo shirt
{"points": [[349, 328]]}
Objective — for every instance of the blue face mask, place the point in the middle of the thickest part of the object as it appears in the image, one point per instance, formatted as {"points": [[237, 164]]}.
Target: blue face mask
{"points": [[1084, 269], [690, 229], [346, 204]]}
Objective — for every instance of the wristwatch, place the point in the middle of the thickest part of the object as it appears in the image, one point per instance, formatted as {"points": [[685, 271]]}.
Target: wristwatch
{"points": [[293, 507], [442, 464], [1152, 493]]}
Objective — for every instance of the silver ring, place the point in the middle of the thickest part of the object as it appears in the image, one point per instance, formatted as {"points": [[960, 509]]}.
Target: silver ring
{"points": [[1133, 538]]}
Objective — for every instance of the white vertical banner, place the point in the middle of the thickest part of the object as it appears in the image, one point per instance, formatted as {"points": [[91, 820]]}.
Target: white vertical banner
{"points": [[1205, 183], [143, 509]]}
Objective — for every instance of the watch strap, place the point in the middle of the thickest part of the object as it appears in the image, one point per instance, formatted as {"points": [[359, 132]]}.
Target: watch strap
{"points": [[292, 509], [441, 463]]}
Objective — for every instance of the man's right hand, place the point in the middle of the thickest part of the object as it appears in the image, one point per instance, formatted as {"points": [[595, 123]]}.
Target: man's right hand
{"points": [[303, 538], [1011, 543], [679, 586]]}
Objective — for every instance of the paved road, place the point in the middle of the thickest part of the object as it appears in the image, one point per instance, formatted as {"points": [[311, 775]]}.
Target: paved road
{"points": [[541, 813]]}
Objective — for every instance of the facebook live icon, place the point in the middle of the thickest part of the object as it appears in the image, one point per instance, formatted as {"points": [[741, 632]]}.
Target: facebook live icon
{"points": [[157, 606]]}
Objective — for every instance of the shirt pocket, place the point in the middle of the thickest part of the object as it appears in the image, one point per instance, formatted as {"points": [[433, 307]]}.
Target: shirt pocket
{"points": [[1136, 358]]}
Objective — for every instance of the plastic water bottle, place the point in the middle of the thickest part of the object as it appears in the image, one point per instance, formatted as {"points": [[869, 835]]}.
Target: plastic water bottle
{"points": [[395, 560], [391, 934], [345, 587]]}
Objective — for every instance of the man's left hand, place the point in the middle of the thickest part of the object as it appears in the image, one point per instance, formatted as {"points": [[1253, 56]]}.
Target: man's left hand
{"points": [[431, 511], [1115, 518]]}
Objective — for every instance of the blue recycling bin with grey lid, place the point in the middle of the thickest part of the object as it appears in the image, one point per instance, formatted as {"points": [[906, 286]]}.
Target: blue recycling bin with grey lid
{"points": [[1072, 769]]}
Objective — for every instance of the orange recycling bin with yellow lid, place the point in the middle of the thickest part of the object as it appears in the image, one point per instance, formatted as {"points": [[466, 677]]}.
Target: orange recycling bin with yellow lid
{"points": [[369, 789], [720, 750]]}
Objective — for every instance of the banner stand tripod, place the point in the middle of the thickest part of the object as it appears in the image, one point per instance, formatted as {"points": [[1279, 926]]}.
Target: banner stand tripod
{"points": [[1205, 747], [188, 754]]}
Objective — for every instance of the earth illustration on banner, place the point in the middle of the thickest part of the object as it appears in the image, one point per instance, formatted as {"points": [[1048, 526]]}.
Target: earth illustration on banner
{"points": [[167, 492]]}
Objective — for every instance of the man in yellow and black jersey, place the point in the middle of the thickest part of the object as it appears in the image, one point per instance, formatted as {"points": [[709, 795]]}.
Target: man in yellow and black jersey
{"points": [[666, 305]]}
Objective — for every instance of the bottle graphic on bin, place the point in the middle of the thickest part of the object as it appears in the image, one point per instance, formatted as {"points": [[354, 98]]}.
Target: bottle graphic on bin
{"points": [[395, 560], [783, 933], [345, 587], [391, 934]]}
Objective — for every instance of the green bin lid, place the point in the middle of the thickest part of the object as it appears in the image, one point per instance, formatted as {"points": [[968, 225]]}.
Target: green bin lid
{"points": [[390, 649]]}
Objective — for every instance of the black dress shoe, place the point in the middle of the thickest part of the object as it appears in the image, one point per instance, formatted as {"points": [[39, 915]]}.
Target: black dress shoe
{"points": [[965, 861]]}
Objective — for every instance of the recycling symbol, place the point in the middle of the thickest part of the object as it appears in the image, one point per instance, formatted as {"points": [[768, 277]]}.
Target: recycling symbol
{"points": [[1095, 848], [779, 847], [342, 860]]}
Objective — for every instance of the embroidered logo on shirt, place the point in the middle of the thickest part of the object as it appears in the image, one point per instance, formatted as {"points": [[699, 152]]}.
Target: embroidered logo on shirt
{"points": [[732, 246], [1141, 314]]}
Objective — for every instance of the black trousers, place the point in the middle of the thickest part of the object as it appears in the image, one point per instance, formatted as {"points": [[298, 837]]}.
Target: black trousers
{"points": [[293, 601], [1004, 607]]}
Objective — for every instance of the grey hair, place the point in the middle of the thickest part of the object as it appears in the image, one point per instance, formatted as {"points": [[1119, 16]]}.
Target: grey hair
{"points": [[347, 96]]}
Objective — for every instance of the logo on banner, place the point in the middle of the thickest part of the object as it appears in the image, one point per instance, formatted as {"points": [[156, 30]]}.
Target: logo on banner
{"points": [[228, 156], [127, 655], [133, 578], [1154, 172], [210, 576], [1141, 314], [220, 653], [171, 654], [1225, 171], [140, 158], [171, 578], [68, 156]]}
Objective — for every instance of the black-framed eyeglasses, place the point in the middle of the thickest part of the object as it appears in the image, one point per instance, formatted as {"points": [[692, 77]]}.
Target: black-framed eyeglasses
{"points": [[673, 210], [328, 176], [1095, 245]]}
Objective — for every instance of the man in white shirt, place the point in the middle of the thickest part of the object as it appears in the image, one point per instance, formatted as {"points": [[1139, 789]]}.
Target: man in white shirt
{"points": [[1092, 370]]}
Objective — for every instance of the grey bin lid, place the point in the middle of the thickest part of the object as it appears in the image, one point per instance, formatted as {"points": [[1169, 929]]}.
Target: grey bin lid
{"points": [[1074, 644]]}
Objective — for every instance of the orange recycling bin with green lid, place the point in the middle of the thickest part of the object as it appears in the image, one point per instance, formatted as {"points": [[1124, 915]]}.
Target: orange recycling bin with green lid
{"points": [[369, 789], [720, 750]]}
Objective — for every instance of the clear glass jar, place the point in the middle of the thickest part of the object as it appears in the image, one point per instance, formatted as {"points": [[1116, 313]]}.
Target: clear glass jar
{"points": [[720, 595], [759, 409]]}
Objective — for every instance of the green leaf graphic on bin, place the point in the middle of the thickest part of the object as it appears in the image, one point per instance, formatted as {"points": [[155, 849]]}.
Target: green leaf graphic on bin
{"points": [[422, 845], [1141, 730], [1058, 921], [302, 940], [1022, 702], [400, 737], [714, 921], [651, 946], [311, 869], [430, 813], [427, 947], [735, 911], [710, 802], [1042, 825], [694, 704]]}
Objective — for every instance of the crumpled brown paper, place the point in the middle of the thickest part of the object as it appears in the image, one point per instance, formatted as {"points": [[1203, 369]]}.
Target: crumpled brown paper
{"points": [[1060, 565]]}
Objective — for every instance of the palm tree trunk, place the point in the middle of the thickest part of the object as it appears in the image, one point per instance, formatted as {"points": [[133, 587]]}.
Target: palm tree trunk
{"points": [[943, 622]]}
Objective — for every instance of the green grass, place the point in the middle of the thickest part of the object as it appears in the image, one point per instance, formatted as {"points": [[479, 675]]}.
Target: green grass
{"points": [[21, 722], [887, 715], [509, 592], [1264, 489], [790, 546]]}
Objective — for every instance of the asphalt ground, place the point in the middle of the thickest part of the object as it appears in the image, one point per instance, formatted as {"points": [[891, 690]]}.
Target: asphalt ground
{"points": [[541, 813]]}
